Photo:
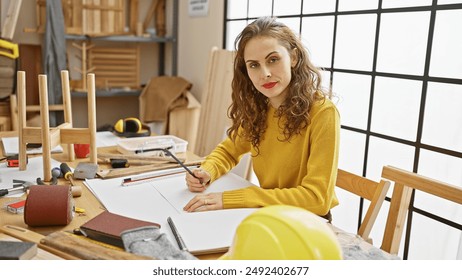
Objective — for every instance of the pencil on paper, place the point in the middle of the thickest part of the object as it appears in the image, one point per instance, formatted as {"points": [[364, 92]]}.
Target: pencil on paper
{"points": [[167, 151], [177, 235], [146, 178]]}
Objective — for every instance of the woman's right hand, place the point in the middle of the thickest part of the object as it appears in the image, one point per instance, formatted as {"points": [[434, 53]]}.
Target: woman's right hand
{"points": [[200, 183]]}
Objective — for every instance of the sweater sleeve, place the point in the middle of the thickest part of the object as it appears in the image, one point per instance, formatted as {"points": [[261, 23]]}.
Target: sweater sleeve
{"points": [[224, 157], [315, 191]]}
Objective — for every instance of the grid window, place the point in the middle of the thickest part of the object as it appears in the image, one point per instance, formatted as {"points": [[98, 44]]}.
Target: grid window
{"points": [[259, 8], [352, 147], [355, 50], [396, 107], [318, 6], [403, 43], [282, 9], [317, 36], [237, 9], [385, 152], [357, 5], [446, 60], [407, 3], [353, 98], [395, 71], [443, 115]]}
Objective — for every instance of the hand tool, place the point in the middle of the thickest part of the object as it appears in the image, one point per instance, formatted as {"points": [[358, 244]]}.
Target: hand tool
{"points": [[55, 174], [19, 186], [167, 152], [67, 174]]}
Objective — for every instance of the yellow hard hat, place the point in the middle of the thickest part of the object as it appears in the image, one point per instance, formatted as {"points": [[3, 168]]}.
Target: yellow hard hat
{"points": [[283, 232]]}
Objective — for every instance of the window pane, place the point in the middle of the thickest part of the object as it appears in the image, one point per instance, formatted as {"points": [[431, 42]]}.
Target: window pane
{"points": [[356, 5], [345, 215], [443, 116], [233, 29], [351, 156], [258, 8], [355, 42], [432, 240], [407, 3], [384, 152], [353, 92], [396, 107], [292, 23], [318, 6], [403, 43], [325, 79], [440, 167], [446, 60], [237, 9], [318, 34], [440, 2], [284, 7]]}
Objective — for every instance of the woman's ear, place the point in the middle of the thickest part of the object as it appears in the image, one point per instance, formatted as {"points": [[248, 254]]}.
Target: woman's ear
{"points": [[294, 57]]}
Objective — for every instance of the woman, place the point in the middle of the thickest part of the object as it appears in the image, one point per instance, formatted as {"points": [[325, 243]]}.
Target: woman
{"points": [[283, 117]]}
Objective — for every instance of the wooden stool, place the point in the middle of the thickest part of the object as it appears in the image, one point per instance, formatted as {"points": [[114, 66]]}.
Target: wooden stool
{"points": [[62, 134]]}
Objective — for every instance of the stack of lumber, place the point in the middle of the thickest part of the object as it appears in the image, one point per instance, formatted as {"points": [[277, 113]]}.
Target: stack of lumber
{"points": [[115, 67], [215, 101]]}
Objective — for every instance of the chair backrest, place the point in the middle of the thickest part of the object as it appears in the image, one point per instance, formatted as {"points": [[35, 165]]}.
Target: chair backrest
{"points": [[404, 183], [368, 189]]}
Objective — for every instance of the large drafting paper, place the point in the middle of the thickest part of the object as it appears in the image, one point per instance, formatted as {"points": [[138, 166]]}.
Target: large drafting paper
{"points": [[33, 171], [156, 200], [11, 147]]}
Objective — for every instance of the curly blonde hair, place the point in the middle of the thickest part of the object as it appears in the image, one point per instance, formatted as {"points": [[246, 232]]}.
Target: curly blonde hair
{"points": [[249, 107]]}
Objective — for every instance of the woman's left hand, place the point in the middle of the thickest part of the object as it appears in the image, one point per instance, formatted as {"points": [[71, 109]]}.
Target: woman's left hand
{"points": [[205, 202]]}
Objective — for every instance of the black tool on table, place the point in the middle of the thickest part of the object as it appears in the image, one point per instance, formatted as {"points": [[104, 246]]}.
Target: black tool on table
{"points": [[67, 173], [18, 185], [167, 151]]}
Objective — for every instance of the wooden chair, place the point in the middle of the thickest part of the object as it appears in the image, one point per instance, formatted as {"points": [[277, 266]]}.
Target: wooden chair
{"points": [[404, 183], [368, 189], [65, 133]]}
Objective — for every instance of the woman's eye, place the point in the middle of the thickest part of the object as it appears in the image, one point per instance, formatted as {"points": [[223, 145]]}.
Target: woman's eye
{"points": [[273, 59], [253, 65]]}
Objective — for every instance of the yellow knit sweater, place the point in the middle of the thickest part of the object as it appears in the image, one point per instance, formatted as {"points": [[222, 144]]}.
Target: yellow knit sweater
{"points": [[301, 172]]}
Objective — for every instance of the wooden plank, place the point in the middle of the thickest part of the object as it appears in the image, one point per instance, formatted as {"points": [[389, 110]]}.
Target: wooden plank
{"points": [[77, 18], [84, 249], [104, 16], [422, 183], [160, 19], [115, 67], [97, 17], [150, 14], [134, 14], [215, 101], [31, 236], [9, 25]]}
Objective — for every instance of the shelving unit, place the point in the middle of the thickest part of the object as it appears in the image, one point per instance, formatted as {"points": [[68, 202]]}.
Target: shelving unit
{"points": [[162, 42], [108, 98]]}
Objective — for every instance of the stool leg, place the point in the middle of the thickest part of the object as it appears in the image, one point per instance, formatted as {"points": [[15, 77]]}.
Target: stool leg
{"points": [[44, 116], [67, 108], [92, 116], [21, 87]]}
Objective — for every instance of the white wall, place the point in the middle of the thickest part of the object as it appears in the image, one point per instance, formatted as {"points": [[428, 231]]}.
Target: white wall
{"points": [[196, 36]]}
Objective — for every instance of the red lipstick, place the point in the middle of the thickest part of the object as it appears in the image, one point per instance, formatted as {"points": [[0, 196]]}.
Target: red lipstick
{"points": [[269, 85]]}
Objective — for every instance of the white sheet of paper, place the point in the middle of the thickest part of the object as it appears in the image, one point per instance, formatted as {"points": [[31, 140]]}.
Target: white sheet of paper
{"points": [[158, 199], [33, 171], [11, 147], [212, 231], [106, 138], [174, 189]]}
